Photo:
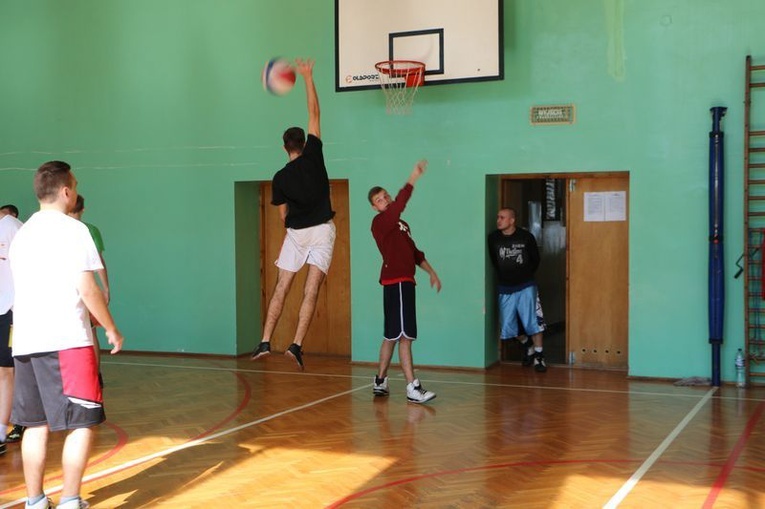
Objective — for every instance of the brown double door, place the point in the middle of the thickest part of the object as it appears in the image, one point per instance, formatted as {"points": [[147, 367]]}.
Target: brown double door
{"points": [[330, 328]]}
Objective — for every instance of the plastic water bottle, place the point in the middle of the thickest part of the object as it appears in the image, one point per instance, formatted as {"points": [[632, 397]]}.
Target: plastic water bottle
{"points": [[740, 371]]}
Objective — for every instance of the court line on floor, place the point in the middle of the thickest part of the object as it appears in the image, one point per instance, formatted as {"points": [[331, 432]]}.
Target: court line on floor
{"points": [[730, 463], [187, 445], [693, 395], [122, 440], [648, 463], [482, 468]]}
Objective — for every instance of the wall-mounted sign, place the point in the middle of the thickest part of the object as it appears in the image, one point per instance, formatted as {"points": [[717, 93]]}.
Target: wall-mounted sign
{"points": [[550, 115]]}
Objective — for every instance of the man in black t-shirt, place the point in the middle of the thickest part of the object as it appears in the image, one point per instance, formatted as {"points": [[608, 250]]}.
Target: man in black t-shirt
{"points": [[301, 191], [515, 257]]}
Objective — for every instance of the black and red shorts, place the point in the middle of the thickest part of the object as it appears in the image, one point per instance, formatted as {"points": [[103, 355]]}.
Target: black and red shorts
{"points": [[58, 389]]}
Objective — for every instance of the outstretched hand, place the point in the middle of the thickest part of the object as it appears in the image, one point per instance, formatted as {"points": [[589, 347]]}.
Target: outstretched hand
{"points": [[418, 170], [304, 67]]}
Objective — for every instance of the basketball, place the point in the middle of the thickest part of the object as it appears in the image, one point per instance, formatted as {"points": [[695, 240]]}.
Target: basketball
{"points": [[278, 76]]}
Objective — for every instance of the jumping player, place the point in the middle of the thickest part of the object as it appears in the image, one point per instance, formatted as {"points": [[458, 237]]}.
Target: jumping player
{"points": [[301, 191]]}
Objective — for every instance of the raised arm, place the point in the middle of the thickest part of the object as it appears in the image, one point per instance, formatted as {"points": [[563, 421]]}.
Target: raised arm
{"points": [[396, 207], [305, 69], [417, 171]]}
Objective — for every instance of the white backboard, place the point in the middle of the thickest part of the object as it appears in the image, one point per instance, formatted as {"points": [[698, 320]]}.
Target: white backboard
{"points": [[458, 40]]}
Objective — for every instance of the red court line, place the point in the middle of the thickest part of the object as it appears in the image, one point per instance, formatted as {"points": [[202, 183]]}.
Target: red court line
{"points": [[733, 457], [407, 480], [122, 436], [238, 410], [122, 439]]}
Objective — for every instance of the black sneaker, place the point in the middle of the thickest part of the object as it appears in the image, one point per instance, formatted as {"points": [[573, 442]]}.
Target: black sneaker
{"points": [[263, 349], [2, 448], [539, 362], [16, 433], [528, 358], [296, 353]]}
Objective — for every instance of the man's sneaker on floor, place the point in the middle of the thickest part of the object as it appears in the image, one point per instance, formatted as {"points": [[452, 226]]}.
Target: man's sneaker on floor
{"points": [[528, 356], [380, 387], [74, 504], [416, 394], [539, 362], [263, 349], [44, 503], [2, 448], [16, 433], [296, 353]]}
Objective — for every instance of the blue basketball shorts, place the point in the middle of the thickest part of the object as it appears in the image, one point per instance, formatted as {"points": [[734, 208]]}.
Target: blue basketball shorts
{"points": [[520, 308]]}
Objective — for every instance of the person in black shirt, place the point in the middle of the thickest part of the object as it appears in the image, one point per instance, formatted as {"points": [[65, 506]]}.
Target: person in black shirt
{"points": [[515, 257], [301, 191]]}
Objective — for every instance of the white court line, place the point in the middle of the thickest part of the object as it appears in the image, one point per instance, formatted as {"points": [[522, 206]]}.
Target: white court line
{"points": [[426, 380], [648, 463], [193, 443]]}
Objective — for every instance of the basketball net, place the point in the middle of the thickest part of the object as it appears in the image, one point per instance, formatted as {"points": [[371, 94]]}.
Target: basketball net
{"points": [[400, 80]]}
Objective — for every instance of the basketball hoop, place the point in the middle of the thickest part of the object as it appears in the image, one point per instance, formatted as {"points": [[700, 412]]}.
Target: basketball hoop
{"points": [[400, 80]]}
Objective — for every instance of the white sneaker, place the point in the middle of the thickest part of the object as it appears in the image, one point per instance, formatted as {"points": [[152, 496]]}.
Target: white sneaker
{"points": [[380, 389], [416, 394], [74, 504], [45, 503]]}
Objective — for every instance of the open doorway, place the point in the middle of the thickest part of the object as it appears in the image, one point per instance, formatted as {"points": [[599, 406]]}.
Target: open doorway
{"points": [[330, 329], [581, 223], [259, 235], [540, 208]]}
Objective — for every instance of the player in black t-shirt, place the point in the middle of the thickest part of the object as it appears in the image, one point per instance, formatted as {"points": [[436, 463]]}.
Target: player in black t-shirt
{"points": [[301, 191]]}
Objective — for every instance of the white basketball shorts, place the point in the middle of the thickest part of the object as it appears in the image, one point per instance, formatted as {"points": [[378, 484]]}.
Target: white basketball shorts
{"points": [[312, 245]]}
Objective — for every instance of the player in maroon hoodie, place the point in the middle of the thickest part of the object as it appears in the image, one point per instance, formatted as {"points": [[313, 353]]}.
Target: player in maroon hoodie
{"points": [[400, 257]]}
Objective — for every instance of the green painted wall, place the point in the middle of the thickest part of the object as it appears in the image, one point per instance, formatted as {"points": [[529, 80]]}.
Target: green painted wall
{"points": [[158, 106]]}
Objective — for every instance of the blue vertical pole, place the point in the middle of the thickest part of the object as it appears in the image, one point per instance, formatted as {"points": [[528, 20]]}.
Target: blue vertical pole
{"points": [[716, 267]]}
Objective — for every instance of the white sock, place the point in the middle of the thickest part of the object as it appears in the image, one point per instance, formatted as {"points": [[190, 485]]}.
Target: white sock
{"points": [[3, 431]]}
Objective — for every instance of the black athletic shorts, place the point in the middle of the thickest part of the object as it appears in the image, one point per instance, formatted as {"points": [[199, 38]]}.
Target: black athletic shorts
{"points": [[400, 311], [6, 356]]}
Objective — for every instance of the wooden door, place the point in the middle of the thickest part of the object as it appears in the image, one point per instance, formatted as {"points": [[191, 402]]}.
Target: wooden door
{"points": [[597, 271], [330, 331]]}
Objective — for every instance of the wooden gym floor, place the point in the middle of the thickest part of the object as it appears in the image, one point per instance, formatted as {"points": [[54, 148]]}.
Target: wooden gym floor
{"points": [[210, 432]]}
